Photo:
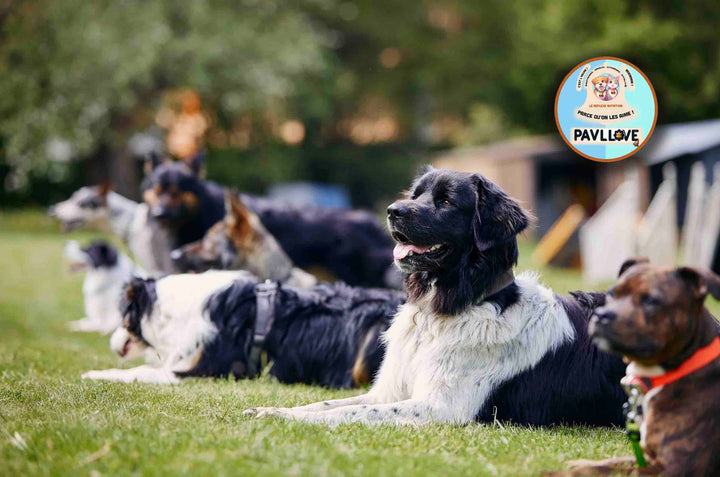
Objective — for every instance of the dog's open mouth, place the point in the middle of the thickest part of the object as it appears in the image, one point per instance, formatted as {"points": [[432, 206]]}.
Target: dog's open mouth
{"points": [[404, 248], [125, 348]]}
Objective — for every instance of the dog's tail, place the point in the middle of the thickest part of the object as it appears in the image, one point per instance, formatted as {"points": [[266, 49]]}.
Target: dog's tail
{"points": [[138, 298]]}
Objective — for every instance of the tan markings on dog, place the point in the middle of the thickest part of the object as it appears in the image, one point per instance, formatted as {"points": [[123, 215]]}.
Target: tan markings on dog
{"points": [[321, 273], [190, 200], [151, 196], [360, 373], [240, 230], [103, 190]]}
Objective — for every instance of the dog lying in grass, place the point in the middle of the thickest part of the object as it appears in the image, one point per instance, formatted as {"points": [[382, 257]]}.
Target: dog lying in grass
{"points": [[106, 272], [473, 342], [241, 242], [655, 318], [99, 206], [216, 323], [349, 244]]}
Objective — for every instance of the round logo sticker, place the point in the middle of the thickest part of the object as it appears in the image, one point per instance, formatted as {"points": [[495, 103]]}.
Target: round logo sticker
{"points": [[606, 109]]}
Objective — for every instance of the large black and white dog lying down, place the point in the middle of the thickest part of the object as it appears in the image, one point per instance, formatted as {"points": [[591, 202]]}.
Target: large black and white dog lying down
{"points": [[473, 342], [350, 244], [217, 324]]}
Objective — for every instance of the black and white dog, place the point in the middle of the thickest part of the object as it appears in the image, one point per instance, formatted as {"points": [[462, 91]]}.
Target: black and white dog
{"points": [[473, 342], [217, 323], [101, 207], [350, 244], [106, 272]]}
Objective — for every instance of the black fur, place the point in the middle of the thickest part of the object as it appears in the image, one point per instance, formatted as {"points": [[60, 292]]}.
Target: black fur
{"points": [[315, 336], [102, 254], [350, 244], [185, 224], [137, 301], [575, 384], [476, 222]]}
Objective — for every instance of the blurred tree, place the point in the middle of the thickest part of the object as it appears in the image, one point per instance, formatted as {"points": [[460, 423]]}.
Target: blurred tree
{"points": [[76, 76], [459, 69]]}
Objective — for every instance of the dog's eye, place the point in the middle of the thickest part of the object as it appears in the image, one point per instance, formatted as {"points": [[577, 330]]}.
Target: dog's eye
{"points": [[446, 203], [649, 301]]}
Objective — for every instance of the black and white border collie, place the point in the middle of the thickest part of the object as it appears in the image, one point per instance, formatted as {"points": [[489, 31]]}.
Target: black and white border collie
{"points": [[106, 272], [202, 325], [473, 342]]}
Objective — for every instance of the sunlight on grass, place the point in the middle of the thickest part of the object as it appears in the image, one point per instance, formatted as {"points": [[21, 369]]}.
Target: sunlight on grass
{"points": [[54, 423]]}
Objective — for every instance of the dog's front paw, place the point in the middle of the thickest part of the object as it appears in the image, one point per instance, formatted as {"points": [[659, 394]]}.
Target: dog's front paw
{"points": [[95, 375], [262, 412], [84, 325]]}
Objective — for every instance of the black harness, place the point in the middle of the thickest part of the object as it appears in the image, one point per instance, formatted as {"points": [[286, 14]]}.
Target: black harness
{"points": [[265, 294]]}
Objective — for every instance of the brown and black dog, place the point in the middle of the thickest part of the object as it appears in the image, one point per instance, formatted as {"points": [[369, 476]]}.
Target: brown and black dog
{"points": [[241, 242], [655, 317]]}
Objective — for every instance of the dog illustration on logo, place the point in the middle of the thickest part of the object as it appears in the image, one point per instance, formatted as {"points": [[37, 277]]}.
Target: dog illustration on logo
{"points": [[600, 83]]}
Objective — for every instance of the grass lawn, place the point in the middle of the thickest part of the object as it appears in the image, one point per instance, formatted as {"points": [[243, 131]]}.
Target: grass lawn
{"points": [[53, 423]]}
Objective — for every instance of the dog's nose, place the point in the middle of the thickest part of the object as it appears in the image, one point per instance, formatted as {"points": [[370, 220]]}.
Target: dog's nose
{"points": [[397, 209], [605, 316]]}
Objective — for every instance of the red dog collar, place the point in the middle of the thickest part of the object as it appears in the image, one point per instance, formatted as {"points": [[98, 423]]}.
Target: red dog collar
{"points": [[700, 358]]}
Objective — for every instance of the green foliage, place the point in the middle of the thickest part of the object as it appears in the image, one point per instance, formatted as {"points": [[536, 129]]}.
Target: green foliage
{"points": [[90, 73], [373, 175], [93, 72]]}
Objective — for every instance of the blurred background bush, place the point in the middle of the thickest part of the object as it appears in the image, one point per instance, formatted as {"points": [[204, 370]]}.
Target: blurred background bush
{"points": [[353, 92]]}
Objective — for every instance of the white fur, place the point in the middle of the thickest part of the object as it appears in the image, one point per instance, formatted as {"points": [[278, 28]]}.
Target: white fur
{"points": [[177, 328], [148, 242], [101, 290], [443, 368]]}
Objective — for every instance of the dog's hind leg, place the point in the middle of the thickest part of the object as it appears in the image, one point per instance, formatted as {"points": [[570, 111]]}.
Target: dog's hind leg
{"points": [[140, 374]]}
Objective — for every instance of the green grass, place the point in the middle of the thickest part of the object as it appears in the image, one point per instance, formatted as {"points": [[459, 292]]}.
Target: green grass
{"points": [[72, 427]]}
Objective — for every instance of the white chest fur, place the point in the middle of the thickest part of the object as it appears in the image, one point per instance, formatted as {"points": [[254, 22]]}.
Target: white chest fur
{"points": [[178, 328], [430, 357]]}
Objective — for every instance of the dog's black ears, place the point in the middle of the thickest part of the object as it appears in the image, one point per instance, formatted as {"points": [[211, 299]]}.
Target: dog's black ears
{"points": [[424, 170], [631, 262], [498, 217], [197, 163], [104, 188], [701, 281]]}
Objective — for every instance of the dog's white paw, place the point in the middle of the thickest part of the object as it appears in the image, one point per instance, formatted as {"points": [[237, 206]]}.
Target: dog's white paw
{"points": [[262, 412], [82, 325], [97, 375]]}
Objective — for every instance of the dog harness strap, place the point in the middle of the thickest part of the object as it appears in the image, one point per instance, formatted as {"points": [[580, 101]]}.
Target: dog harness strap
{"points": [[264, 318]]}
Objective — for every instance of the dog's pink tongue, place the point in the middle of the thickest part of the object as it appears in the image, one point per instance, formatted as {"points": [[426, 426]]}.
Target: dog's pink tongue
{"points": [[401, 250]]}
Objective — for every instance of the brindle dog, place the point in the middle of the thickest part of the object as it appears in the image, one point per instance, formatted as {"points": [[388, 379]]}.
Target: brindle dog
{"points": [[655, 318]]}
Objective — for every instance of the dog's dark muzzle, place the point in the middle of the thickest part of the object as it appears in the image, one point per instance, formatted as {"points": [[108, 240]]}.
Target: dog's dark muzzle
{"points": [[189, 259]]}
